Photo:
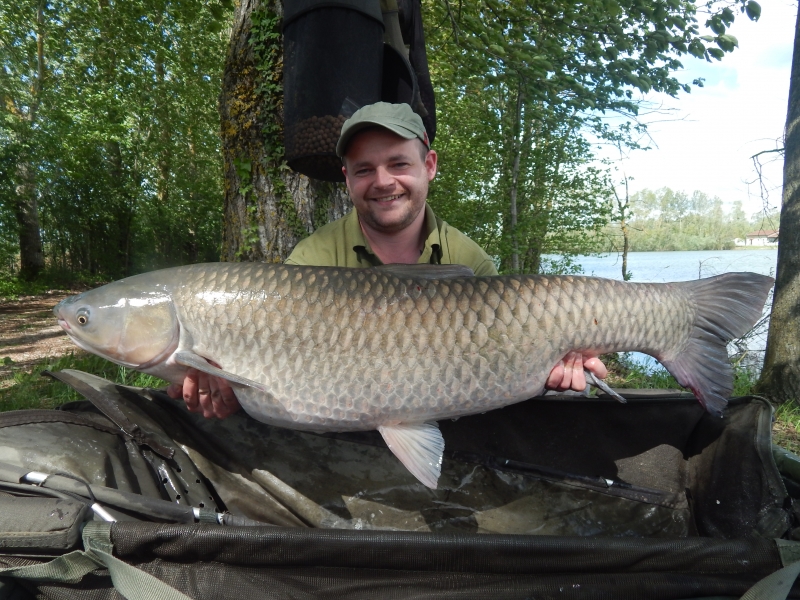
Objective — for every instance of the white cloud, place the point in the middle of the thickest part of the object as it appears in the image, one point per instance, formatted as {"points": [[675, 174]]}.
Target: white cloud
{"points": [[709, 138]]}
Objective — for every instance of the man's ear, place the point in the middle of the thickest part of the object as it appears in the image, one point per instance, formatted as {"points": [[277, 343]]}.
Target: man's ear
{"points": [[346, 180], [431, 161]]}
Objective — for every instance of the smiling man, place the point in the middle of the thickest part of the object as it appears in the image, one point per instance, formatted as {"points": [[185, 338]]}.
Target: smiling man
{"points": [[387, 164]]}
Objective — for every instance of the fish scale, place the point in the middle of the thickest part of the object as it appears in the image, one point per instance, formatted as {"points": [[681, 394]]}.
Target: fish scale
{"points": [[492, 365], [398, 347]]}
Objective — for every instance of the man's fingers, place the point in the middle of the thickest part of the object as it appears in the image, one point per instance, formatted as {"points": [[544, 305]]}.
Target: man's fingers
{"points": [[575, 379], [204, 394], [190, 385], [175, 391], [228, 403], [218, 407], [568, 374], [596, 367], [555, 377]]}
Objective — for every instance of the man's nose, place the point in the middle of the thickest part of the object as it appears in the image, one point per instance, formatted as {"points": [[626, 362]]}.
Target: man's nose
{"points": [[383, 178]]}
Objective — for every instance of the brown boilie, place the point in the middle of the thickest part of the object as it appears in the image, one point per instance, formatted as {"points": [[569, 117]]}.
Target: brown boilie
{"points": [[315, 135]]}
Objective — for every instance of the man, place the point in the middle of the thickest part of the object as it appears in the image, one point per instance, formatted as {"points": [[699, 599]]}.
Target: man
{"points": [[387, 164]]}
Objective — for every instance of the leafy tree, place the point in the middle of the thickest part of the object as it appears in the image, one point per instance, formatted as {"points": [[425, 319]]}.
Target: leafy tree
{"points": [[540, 76], [696, 222], [121, 157], [22, 86]]}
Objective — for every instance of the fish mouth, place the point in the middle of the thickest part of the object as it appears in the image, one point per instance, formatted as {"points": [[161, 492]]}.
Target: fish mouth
{"points": [[64, 325]]}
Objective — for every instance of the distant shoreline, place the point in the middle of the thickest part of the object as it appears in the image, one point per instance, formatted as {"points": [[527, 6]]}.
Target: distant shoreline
{"points": [[737, 248]]}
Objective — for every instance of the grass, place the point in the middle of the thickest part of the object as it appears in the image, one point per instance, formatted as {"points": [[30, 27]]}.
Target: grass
{"points": [[786, 430], [12, 287], [30, 389], [626, 373]]}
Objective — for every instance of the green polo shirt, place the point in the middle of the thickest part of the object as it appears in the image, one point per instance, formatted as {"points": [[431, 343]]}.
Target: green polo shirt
{"points": [[342, 244]]}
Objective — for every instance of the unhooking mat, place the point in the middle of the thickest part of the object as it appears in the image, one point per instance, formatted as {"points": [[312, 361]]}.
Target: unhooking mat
{"points": [[653, 482]]}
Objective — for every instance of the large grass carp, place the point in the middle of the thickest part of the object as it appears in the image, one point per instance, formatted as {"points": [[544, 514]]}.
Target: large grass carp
{"points": [[397, 348]]}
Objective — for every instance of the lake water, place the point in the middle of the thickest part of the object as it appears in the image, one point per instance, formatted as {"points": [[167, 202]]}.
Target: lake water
{"points": [[683, 266]]}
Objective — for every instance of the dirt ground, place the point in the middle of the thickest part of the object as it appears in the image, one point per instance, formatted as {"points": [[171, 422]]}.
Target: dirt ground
{"points": [[29, 332]]}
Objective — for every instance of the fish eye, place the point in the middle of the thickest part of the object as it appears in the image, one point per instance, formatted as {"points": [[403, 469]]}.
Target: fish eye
{"points": [[82, 317]]}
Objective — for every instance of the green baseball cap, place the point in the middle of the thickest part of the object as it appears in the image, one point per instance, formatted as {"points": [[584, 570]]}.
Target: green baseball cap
{"points": [[398, 118]]}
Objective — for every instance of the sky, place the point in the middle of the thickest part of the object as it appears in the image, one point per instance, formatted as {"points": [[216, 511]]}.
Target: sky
{"points": [[707, 137]]}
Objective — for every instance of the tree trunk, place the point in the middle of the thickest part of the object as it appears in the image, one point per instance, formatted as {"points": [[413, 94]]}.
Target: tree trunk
{"points": [[26, 208], [515, 183], [626, 275], [27, 215], [780, 378], [268, 208], [623, 208]]}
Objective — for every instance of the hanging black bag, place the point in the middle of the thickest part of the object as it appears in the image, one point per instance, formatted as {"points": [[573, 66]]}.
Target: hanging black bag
{"points": [[333, 61]]}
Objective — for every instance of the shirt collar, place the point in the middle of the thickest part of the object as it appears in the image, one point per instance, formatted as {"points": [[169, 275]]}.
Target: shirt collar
{"points": [[431, 251]]}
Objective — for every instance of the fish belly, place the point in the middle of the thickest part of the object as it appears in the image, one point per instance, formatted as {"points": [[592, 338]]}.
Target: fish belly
{"points": [[352, 349]]}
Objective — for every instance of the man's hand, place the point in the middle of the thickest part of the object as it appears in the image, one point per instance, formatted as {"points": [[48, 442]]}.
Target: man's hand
{"points": [[204, 393], [568, 374]]}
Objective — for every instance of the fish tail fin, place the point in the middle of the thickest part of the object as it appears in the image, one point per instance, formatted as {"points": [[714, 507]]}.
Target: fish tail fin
{"points": [[727, 307]]}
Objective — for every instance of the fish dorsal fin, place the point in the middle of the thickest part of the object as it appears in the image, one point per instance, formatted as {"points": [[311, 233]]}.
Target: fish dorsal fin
{"points": [[419, 447], [190, 359], [427, 271]]}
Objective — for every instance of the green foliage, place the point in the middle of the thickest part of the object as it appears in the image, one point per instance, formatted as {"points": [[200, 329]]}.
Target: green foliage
{"points": [[29, 389], [787, 426], [12, 288], [586, 55], [559, 193], [52, 278], [664, 220], [521, 89], [123, 142], [624, 373]]}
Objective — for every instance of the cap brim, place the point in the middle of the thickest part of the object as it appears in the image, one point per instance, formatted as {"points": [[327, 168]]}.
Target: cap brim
{"points": [[402, 131]]}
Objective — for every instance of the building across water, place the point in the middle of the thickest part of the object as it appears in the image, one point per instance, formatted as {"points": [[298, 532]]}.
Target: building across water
{"points": [[762, 237]]}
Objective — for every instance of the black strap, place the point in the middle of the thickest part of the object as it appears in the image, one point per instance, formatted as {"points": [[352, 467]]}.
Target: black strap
{"points": [[113, 412], [33, 416]]}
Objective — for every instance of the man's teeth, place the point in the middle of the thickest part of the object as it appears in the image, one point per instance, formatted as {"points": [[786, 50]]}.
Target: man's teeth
{"points": [[388, 198]]}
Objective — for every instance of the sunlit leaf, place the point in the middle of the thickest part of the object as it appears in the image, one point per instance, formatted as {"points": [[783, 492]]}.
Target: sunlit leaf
{"points": [[753, 10]]}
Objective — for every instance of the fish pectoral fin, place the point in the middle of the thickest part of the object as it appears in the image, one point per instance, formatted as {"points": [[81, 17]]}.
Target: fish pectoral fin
{"points": [[602, 386], [419, 447], [190, 359]]}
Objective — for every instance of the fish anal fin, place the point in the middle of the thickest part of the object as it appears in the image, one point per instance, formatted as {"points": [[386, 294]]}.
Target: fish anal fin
{"points": [[419, 447], [190, 359]]}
